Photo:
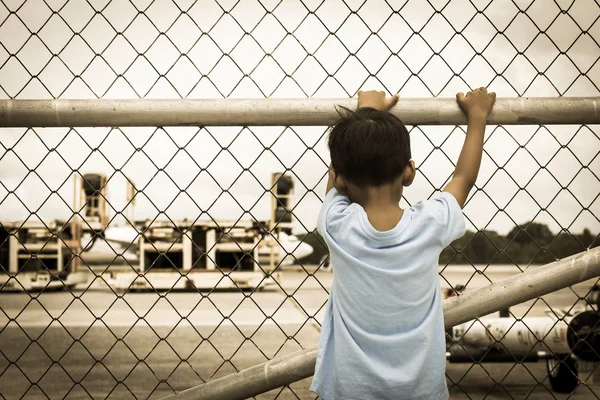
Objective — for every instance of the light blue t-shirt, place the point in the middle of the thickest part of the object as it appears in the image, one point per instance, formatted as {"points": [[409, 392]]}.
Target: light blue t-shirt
{"points": [[383, 332]]}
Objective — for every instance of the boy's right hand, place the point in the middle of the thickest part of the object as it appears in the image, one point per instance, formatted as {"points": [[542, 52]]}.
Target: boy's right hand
{"points": [[477, 103], [376, 100]]}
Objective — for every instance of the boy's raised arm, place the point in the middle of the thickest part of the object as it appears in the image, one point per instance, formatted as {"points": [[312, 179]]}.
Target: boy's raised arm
{"points": [[477, 105]]}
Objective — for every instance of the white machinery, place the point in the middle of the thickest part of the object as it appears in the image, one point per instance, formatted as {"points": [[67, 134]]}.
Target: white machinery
{"points": [[42, 254], [203, 255], [210, 254], [161, 254], [38, 256], [567, 342], [124, 240]]}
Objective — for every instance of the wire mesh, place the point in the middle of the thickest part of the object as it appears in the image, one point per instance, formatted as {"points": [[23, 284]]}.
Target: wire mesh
{"points": [[536, 199]]}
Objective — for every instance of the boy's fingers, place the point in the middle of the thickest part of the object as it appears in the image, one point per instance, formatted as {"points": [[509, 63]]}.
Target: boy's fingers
{"points": [[393, 100], [460, 96]]}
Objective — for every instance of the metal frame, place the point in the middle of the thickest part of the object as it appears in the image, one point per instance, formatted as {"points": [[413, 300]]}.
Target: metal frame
{"points": [[221, 112], [192, 69], [204, 276], [517, 289], [263, 112], [50, 246]]}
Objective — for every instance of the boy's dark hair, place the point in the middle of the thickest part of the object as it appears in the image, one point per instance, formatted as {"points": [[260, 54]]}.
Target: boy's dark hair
{"points": [[369, 147]]}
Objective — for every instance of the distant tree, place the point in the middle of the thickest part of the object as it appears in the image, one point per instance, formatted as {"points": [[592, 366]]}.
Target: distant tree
{"points": [[481, 247], [529, 243], [587, 239], [456, 253], [566, 245], [531, 232]]}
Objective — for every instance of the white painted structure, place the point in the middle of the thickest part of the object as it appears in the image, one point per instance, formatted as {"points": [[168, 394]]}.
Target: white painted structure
{"points": [[38, 256], [201, 255], [206, 254]]}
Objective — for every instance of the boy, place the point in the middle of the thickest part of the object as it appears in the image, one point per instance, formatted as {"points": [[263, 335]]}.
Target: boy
{"points": [[383, 332]]}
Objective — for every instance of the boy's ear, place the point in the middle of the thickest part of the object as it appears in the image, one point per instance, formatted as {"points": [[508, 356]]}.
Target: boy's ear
{"points": [[340, 184], [409, 173]]}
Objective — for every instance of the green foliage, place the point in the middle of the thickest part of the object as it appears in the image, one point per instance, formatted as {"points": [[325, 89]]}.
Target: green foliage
{"points": [[529, 243]]}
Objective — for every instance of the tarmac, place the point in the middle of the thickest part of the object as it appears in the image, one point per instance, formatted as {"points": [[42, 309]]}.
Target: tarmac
{"points": [[98, 344]]}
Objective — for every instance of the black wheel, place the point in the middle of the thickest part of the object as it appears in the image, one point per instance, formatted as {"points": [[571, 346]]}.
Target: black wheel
{"points": [[562, 374], [325, 263], [582, 335]]}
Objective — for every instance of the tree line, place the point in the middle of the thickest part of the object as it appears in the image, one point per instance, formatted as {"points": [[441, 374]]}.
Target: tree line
{"points": [[529, 243]]}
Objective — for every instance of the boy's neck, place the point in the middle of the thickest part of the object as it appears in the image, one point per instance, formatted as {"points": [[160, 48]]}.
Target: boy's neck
{"points": [[377, 197], [381, 203]]}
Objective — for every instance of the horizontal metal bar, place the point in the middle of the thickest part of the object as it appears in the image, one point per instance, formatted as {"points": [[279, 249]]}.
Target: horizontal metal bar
{"points": [[469, 305], [263, 112]]}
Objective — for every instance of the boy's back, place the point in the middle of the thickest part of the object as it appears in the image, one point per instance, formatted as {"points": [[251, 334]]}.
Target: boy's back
{"points": [[383, 335], [383, 331]]}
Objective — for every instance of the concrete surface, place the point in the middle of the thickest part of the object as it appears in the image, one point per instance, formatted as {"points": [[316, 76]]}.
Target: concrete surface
{"points": [[95, 344]]}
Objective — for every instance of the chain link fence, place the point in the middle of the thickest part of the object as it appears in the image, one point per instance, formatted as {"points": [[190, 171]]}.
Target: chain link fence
{"points": [[202, 259]]}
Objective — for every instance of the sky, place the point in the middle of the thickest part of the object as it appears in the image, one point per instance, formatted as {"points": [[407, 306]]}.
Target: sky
{"points": [[295, 50]]}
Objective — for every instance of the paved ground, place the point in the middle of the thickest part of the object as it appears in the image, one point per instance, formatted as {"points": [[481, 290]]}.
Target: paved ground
{"points": [[140, 345]]}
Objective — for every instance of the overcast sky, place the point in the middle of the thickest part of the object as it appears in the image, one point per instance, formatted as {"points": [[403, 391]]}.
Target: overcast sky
{"points": [[186, 63]]}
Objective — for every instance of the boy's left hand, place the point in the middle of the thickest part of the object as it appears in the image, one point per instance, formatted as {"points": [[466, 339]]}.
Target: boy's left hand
{"points": [[376, 100]]}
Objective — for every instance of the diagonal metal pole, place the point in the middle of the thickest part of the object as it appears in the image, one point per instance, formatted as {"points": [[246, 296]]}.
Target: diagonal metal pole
{"points": [[263, 112], [517, 289]]}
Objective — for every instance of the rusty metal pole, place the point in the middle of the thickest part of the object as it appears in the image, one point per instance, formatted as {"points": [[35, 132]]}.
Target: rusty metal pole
{"points": [[469, 305], [263, 112]]}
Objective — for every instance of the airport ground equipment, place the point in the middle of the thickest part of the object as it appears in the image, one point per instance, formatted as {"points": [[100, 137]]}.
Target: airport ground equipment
{"points": [[172, 255], [36, 255], [91, 194], [556, 340], [212, 254], [532, 334], [200, 255]]}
